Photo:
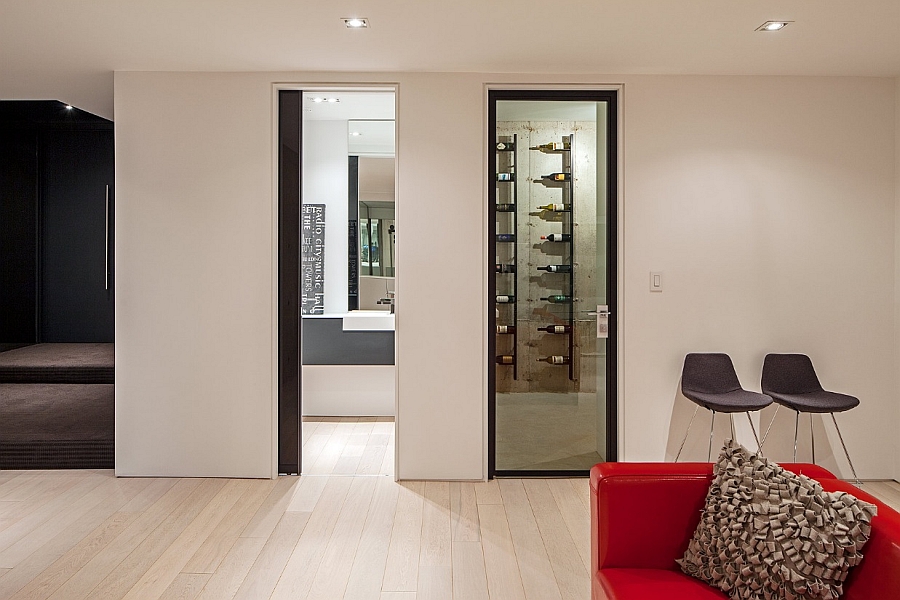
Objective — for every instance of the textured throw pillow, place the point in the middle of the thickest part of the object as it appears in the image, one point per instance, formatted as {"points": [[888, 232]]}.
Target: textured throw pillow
{"points": [[769, 534]]}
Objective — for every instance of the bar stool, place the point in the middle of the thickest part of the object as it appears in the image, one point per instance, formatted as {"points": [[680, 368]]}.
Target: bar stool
{"points": [[709, 381], [792, 382]]}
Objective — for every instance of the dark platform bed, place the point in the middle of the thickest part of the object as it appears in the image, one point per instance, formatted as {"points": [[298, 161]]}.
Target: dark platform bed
{"points": [[57, 407]]}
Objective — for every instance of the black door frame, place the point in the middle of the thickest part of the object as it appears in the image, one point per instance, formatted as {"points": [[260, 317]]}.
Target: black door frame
{"points": [[611, 97], [289, 321]]}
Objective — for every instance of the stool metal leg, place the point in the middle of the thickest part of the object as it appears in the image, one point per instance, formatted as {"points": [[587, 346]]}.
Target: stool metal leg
{"points": [[711, 427], [680, 448], [758, 445], [731, 418], [812, 437], [796, 429], [855, 476], [766, 434]]}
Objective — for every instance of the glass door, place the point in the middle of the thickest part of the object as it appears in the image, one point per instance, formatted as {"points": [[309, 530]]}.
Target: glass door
{"points": [[552, 163]]}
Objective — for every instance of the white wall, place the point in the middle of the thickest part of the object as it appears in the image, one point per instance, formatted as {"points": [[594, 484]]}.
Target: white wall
{"points": [[769, 204], [325, 172], [897, 261], [194, 276]]}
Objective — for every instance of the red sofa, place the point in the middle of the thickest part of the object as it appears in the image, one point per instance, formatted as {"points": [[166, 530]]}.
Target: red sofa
{"points": [[644, 514]]}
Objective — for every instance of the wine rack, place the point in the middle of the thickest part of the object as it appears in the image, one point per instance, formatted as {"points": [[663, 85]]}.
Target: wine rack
{"points": [[565, 181], [506, 211]]}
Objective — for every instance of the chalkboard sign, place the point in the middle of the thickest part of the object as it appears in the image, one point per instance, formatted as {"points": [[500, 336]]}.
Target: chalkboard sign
{"points": [[312, 266]]}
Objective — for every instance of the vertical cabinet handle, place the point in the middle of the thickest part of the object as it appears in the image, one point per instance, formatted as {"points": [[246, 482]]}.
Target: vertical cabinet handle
{"points": [[106, 242]]}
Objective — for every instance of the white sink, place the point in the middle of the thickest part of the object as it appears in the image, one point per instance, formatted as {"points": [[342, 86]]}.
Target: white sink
{"points": [[368, 320]]}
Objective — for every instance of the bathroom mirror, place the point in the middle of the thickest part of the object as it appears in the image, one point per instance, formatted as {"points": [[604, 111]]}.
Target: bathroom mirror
{"points": [[371, 150]]}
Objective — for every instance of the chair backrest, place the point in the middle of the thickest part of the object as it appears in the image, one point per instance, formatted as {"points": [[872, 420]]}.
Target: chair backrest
{"points": [[710, 373], [789, 374]]}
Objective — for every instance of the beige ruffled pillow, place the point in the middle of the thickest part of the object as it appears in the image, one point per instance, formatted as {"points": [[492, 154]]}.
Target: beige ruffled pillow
{"points": [[768, 534]]}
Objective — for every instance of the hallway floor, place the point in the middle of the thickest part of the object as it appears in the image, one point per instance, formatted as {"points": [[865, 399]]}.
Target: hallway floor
{"points": [[345, 530]]}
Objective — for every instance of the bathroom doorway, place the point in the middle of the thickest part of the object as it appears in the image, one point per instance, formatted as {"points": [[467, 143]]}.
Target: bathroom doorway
{"points": [[337, 390]]}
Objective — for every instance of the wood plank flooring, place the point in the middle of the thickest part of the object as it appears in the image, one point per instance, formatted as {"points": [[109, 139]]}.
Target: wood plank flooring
{"points": [[342, 530]]}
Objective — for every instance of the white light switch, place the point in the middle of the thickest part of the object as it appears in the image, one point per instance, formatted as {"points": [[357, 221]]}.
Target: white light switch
{"points": [[656, 281]]}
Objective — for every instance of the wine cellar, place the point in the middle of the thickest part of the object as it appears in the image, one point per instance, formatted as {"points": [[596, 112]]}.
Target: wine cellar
{"points": [[546, 257], [551, 283]]}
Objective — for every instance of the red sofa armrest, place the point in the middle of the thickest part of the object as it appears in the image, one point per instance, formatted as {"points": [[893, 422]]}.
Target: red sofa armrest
{"points": [[643, 514]]}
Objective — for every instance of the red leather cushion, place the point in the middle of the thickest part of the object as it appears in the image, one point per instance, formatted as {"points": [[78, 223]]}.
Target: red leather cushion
{"points": [[651, 584], [643, 514]]}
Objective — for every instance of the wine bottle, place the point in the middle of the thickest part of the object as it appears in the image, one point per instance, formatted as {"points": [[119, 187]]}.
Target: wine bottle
{"points": [[506, 359], [558, 299], [556, 207], [557, 237], [506, 329], [556, 328], [506, 237], [506, 176], [502, 299], [555, 360], [506, 146], [556, 268], [555, 177], [506, 208], [551, 147], [505, 268]]}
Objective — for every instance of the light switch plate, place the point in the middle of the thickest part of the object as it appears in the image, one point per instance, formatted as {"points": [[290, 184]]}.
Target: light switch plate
{"points": [[656, 281]]}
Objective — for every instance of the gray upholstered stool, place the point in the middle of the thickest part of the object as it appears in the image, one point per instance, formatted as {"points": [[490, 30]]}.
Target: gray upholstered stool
{"points": [[709, 381], [792, 382]]}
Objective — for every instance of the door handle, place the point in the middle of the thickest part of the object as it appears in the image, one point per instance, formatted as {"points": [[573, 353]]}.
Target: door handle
{"points": [[603, 315]]}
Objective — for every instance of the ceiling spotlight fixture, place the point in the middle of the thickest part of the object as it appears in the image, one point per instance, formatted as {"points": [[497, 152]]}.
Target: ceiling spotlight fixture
{"points": [[356, 23], [69, 107], [320, 100], [355, 133], [773, 25]]}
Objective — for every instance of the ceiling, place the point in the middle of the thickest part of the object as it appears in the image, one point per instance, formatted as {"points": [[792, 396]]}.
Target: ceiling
{"points": [[84, 42]]}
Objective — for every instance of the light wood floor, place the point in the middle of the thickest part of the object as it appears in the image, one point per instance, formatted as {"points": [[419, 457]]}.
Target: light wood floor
{"points": [[343, 530]]}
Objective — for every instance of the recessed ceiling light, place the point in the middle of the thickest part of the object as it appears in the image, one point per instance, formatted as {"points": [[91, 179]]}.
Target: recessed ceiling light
{"points": [[355, 133], [356, 23], [320, 100], [773, 25], [69, 107]]}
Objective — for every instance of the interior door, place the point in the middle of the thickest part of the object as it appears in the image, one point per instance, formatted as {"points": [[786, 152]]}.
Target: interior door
{"points": [[552, 159]]}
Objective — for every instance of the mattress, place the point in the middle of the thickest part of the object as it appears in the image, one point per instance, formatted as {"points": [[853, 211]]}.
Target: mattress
{"points": [[59, 363], [57, 426]]}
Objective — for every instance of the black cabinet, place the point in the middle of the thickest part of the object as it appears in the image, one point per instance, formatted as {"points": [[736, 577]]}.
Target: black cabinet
{"points": [[56, 221]]}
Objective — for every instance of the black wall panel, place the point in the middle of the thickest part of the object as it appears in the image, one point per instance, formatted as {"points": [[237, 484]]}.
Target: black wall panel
{"points": [[77, 300], [18, 241], [56, 230]]}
